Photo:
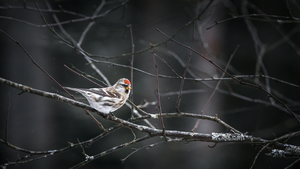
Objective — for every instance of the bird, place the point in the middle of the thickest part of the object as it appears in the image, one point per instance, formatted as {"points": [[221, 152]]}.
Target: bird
{"points": [[107, 99]]}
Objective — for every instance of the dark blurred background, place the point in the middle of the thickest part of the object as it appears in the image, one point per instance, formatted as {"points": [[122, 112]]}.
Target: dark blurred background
{"points": [[40, 124]]}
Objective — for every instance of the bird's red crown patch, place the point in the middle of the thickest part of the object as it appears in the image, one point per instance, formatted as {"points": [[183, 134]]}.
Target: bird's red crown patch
{"points": [[126, 81]]}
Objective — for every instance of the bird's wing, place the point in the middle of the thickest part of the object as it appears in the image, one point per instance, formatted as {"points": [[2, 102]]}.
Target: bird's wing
{"points": [[105, 93]]}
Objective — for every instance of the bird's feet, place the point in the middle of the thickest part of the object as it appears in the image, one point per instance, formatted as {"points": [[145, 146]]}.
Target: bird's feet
{"points": [[111, 114]]}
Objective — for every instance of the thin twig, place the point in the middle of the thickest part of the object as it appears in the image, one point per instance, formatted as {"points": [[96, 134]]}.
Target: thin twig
{"points": [[135, 106], [140, 148], [83, 151], [292, 164], [90, 76], [43, 10], [158, 97], [6, 121], [249, 16], [111, 150], [146, 104], [253, 163], [184, 73], [79, 74], [203, 111], [90, 24], [290, 10], [131, 64], [163, 60], [96, 121]]}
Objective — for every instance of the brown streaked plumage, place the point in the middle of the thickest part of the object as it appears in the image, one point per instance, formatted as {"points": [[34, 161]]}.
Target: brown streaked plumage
{"points": [[108, 99]]}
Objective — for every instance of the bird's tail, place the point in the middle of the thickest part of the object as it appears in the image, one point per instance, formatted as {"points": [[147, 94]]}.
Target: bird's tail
{"points": [[74, 89]]}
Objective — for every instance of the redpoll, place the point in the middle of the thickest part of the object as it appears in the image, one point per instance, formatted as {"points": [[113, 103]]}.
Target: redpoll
{"points": [[108, 99]]}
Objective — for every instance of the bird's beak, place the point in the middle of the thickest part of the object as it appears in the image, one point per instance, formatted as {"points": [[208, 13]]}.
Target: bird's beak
{"points": [[128, 88]]}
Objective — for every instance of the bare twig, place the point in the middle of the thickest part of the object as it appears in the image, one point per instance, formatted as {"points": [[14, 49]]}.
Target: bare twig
{"points": [[184, 73], [131, 64], [253, 16], [253, 163], [146, 104], [111, 150], [91, 23], [216, 88], [163, 60], [6, 121], [43, 10], [290, 10], [96, 121], [158, 97], [292, 164], [83, 151], [79, 74], [140, 148]]}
